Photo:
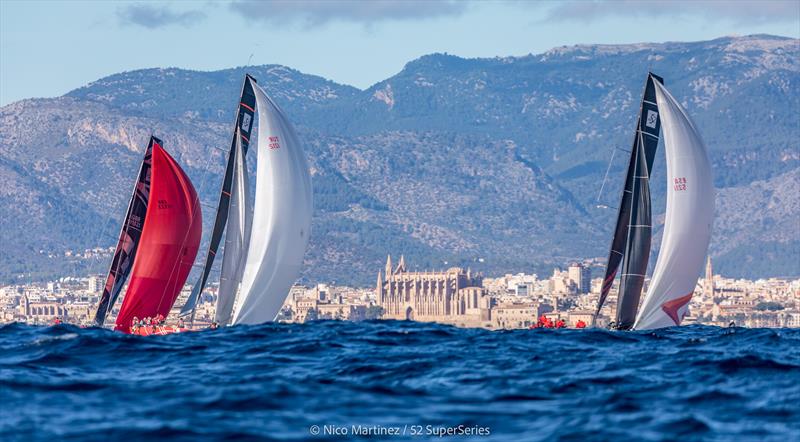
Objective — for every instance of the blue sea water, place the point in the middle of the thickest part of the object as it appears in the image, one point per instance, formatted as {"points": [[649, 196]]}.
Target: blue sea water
{"points": [[349, 381]]}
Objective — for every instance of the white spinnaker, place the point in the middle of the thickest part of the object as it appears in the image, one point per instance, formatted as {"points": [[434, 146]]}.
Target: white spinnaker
{"points": [[236, 238], [687, 227], [281, 217]]}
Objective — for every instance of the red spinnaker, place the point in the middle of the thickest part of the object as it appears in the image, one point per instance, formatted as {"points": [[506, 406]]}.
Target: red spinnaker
{"points": [[168, 245]]}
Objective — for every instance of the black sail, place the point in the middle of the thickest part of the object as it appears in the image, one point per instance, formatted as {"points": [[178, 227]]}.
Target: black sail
{"points": [[637, 247], [129, 235], [630, 246], [244, 121]]}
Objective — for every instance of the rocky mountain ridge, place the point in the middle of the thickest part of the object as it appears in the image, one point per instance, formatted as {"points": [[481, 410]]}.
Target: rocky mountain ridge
{"points": [[490, 163]]}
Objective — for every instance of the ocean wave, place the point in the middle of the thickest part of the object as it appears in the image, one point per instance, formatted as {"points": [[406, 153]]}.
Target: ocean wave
{"points": [[275, 381]]}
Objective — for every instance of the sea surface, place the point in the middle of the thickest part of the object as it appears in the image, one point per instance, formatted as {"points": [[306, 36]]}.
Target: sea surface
{"points": [[370, 380]]}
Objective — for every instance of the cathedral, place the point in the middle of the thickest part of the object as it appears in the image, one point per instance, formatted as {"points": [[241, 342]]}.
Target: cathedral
{"points": [[454, 296]]}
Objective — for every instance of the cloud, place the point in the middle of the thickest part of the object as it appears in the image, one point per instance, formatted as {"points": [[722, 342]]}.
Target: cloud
{"points": [[153, 17], [741, 11], [320, 12]]}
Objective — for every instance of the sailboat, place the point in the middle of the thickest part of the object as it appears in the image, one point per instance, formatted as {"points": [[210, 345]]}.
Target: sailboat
{"points": [[687, 227], [264, 249], [157, 244]]}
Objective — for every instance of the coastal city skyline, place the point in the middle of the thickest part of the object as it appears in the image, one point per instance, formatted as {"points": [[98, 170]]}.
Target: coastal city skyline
{"points": [[455, 296]]}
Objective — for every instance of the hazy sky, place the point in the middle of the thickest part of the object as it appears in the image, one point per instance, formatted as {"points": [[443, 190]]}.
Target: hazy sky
{"points": [[48, 48]]}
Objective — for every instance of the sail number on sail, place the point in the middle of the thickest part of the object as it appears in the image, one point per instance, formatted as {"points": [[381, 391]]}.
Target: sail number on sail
{"points": [[274, 143]]}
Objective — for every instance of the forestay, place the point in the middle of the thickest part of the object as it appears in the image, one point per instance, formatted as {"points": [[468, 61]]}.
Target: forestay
{"points": [[236, 238]]}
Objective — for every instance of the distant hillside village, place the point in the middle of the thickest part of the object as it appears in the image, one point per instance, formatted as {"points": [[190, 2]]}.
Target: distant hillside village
{"points": [[454, 296]]}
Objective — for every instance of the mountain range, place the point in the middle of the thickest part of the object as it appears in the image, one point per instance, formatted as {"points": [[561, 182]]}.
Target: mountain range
{"points": [[502, 164]]}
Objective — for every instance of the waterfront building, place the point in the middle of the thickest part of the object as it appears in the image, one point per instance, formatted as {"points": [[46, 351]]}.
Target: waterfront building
{"points": [[708, 283], [517, 315], [451, 296], [343, 312], [581, 277], [42, 311], [93, 284]]}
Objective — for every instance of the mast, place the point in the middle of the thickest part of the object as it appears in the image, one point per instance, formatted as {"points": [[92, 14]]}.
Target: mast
{"points": [[128, 241], [637, 244], [237, 236], [244, 123], [630, 245]]}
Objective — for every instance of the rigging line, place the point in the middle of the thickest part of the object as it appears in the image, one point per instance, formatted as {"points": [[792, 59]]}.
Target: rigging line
{"points": [[646, 167], [180, 258], [104, 233], [97, 243], [124, 228], [209, 252], [206, 170], [605, 178], [198, 205], [213, 207]]}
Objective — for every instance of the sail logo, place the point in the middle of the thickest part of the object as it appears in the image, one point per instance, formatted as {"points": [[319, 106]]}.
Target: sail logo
{"points": [[135, 222], [246, 120], [274, 143], [652, 119], [679, 184], [164, 204]]}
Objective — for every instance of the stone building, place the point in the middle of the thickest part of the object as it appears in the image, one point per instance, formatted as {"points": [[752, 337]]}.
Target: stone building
{"points": [[42, 311], [343, 312], [454, 296], [581, 277], [516, 315]]}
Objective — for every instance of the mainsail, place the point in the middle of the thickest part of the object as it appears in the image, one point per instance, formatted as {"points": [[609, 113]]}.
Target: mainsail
{"points": [[168, 243], [687, 227], [128, 242], [281, 219], [244, 125], [630, 246], [236, 239]]}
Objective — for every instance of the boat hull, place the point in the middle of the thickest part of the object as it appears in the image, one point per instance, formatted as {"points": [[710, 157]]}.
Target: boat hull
{"points": [[158, 330]]}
